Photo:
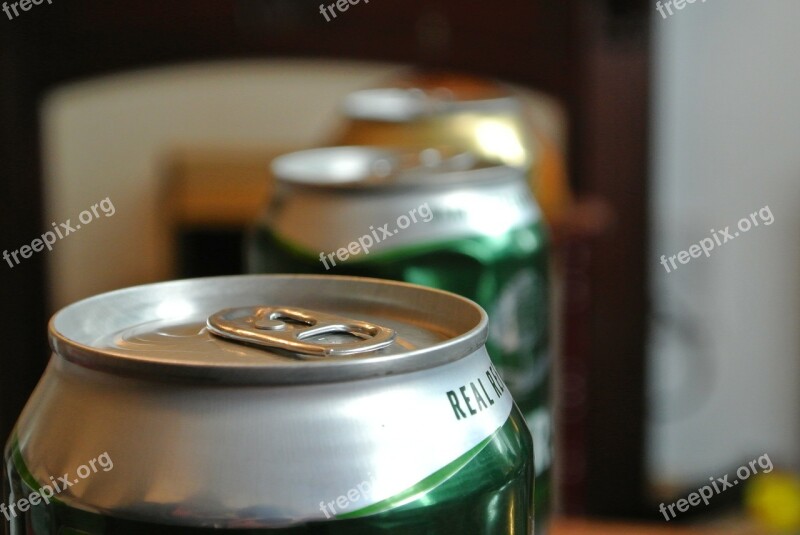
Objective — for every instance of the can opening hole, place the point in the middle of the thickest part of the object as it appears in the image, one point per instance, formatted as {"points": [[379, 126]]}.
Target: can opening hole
{"points": [[334, 338]]}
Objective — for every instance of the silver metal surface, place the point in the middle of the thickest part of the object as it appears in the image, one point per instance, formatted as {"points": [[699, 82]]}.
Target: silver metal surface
{"points": [[218, 455], [161, 329], [404, 105], [465, 199], [368, 168], [292, 328]]}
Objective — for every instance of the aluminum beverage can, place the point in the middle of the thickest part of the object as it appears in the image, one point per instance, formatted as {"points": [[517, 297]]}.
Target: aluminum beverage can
{"points": [[445, 220], [487, 118], [270, 404]]}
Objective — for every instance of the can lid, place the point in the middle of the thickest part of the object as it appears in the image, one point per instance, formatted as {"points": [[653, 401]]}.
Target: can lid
{"points": [[400, 105], [359, 167], [269, 329]]}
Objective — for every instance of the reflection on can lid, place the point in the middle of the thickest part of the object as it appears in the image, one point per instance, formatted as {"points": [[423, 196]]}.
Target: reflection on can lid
{"points": [[400, 105], [375, 168], [269, 329]]}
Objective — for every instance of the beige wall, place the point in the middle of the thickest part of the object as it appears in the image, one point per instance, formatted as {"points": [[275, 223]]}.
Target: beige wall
{"points": [[106, 138]]}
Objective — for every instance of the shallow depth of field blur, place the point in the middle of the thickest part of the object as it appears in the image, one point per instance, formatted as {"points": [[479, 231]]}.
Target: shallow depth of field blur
{"points": [[667, 130]]}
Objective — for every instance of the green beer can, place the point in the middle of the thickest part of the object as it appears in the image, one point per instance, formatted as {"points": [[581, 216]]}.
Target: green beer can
{"points": [[270, 405], [445, 220]]}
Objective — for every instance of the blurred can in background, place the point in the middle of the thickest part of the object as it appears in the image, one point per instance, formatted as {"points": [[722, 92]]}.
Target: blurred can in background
{"points": [[444, 220], [486, 118], [270, 405]]}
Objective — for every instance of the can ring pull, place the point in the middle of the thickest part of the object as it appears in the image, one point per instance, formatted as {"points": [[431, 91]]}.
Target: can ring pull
{"points": [[290, 329]]}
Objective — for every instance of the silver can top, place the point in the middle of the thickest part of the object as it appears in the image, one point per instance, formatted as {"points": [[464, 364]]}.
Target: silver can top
{"points": [[371, 168], [269, 329], [401, 105]]}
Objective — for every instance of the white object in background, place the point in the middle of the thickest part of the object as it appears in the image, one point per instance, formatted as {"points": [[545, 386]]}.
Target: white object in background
{"points": [[725, 381]]}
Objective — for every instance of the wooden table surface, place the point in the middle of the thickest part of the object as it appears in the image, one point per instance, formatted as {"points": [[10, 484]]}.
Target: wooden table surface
{"points": [[579, 527]]}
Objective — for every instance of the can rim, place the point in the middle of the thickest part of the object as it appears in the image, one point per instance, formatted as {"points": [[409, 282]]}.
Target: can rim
{"points": [[70, 337], [407, 104], [356, 171]]}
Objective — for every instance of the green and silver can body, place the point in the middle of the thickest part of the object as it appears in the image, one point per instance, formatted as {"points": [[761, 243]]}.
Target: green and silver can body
{"points": [[274, 405], [453, 223]]}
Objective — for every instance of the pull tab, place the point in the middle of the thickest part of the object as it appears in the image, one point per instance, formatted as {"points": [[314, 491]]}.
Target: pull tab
{"points": [[290, 328]]}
